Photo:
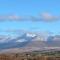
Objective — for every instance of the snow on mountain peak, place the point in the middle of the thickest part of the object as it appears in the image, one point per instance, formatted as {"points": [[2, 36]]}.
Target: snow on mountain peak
{"points": [[30, 35], [21, 40]]}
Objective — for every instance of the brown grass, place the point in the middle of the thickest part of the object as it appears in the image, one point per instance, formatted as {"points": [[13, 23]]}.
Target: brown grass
{"points": [[27, 57]]}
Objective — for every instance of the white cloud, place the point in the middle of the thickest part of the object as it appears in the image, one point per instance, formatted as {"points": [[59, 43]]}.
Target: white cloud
{"points": [[49, 17], [42, 17]]}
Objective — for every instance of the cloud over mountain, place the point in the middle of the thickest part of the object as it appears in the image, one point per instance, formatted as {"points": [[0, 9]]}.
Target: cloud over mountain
{"points": [[46, 17], [49, 17]]}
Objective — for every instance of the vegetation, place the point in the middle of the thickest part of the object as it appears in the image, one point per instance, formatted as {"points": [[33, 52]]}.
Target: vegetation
{"points": [[35, 55]]}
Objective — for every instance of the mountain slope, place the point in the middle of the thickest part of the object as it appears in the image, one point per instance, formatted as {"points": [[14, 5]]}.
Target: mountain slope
{"points": [[30, 42]]}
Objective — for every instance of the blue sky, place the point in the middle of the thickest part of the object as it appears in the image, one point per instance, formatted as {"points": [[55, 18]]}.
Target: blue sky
{"points": [[27, 8]]}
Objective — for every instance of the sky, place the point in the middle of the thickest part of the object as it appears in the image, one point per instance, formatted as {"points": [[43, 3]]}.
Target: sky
{"points": [[30, 15]]}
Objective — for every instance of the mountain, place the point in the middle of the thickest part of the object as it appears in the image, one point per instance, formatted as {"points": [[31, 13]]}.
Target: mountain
{"points": [[53, 41], [29, 42], [19, 41]]}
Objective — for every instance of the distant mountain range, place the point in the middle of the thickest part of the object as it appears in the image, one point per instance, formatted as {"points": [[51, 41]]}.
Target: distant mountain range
{"points": [[28, 41], [19, 41]]}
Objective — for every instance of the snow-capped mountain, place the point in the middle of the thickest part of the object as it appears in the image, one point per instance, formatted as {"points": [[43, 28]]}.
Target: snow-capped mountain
{"points": [[17, 41], [28, 41]]}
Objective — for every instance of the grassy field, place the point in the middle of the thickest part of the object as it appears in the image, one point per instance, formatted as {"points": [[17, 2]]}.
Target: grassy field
{"points": [[36, 55]]}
